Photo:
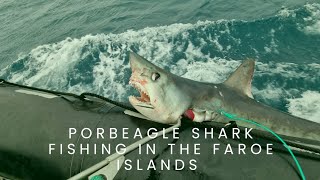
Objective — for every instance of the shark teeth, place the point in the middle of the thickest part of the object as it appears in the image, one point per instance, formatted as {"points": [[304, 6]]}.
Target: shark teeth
{"points": [[144, 96]]}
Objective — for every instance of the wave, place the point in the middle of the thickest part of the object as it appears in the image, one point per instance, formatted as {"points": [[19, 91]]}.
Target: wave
{"points": [[308, 17], [307, 106], [313, 20], [205, 51]]}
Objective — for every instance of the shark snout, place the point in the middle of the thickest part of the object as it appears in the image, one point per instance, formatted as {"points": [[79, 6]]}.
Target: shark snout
{"points": [[133, 60], [136, 61]]}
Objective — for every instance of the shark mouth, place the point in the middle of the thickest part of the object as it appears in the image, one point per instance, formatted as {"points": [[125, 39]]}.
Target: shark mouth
{"points": [[144, 99]]}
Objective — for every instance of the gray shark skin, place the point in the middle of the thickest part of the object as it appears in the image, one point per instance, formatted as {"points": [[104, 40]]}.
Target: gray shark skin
{"points": [[166, 97]]}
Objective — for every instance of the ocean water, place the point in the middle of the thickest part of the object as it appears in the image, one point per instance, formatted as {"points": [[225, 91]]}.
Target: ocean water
{"points": [[82, 46]]}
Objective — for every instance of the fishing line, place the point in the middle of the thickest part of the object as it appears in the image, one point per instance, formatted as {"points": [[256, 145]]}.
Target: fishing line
{"points": [[234, 117]]}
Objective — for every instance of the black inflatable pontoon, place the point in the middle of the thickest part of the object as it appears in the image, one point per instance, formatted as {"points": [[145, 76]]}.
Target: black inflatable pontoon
{"points": [[31, 119]]}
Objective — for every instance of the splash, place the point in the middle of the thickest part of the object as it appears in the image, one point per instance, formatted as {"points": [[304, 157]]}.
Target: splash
{"points": [[307, 106], [313, 20], [206, 51]]}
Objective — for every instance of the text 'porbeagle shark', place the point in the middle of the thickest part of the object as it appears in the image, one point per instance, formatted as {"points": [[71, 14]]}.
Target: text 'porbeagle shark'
{"points": [[165, 97]]}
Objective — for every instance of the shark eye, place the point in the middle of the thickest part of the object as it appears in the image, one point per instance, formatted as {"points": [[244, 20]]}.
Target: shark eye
{"points": [[155, 76]]}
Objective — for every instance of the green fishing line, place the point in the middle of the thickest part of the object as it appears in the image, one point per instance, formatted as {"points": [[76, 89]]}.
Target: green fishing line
{"points": [[234, 117]]}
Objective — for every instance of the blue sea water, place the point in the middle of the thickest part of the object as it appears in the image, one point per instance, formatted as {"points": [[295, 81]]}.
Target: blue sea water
{"points": [[82, 46]]}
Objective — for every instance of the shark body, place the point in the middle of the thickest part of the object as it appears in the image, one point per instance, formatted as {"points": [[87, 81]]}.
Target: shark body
{"points": [[166, 97]]}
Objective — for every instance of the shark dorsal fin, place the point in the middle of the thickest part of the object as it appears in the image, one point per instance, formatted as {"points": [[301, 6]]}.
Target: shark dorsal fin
{"points": [[241, 78]]}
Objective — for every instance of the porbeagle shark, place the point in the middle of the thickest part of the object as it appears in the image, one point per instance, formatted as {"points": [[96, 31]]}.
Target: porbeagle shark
{"points": [[165, 97]]}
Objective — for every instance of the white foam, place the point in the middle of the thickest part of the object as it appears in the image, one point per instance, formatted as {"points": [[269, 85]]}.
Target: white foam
{"points": [[311, 23], [313, 29], [214, 70], [269, 93], [273, 46], [307, 106], [285, 12], [313, 20], [55, 66], [289, 70]]}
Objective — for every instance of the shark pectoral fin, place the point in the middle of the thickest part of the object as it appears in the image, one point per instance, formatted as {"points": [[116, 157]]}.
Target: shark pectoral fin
{"points": [[241, 78]]}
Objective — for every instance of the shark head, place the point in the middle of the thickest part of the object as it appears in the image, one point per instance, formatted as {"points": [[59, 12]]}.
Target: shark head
{"points": [[160, 100], [165, 97]]}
